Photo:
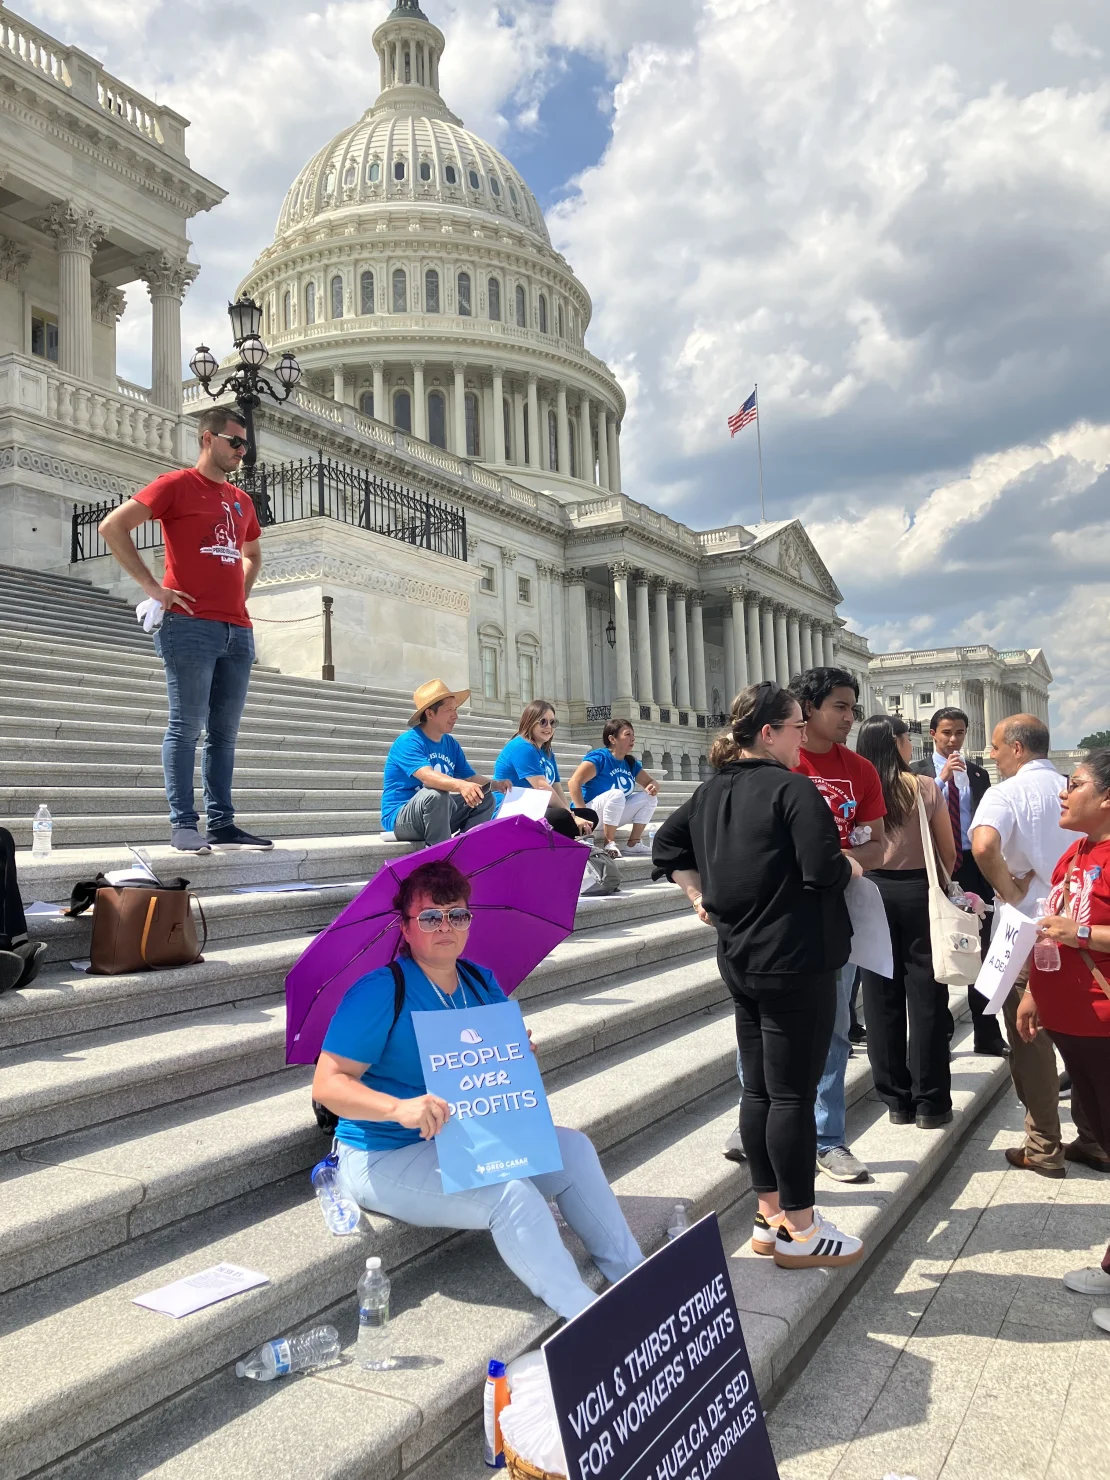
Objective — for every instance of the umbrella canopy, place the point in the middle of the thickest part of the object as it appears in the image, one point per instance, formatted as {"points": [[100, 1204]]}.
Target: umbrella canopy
{"points": [[524, 882]]}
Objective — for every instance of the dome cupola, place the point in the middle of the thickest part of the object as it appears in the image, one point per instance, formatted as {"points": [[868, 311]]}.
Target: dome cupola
{"points": [[409, 49]]}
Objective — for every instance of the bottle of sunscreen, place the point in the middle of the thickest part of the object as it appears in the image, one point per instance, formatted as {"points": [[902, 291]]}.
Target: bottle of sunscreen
{"points": [[496, 1397]]}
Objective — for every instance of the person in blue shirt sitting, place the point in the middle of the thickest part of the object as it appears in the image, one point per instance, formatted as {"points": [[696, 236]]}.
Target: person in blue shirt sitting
{"points": [[529, 760], [430, 789], [369, 1074], [616, 786]]}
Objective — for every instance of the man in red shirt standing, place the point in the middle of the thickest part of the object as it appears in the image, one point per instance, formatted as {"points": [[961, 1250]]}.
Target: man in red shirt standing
{"points": [[852, 788], [213, 556]]}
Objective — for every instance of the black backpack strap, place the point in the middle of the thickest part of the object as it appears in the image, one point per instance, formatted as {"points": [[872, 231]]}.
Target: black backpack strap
{"points": [[398, 994], [473, 979]]}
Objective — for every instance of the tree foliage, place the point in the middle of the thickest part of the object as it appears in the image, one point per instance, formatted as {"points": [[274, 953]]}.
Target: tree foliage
{"points": [[1100, 740]]}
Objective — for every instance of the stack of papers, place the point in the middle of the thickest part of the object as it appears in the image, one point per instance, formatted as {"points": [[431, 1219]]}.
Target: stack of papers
{"points": [[196, 1291]]}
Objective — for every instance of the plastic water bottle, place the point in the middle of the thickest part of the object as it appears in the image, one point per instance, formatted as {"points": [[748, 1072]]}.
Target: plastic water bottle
{"points": [[373, 1318], [291, 1354], [679, 1223], [340, 1214], [1046, 954], [43, 833]]}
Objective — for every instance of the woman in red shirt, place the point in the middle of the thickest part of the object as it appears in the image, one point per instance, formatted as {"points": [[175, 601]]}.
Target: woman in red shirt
{"points": [[1072, 1002]]}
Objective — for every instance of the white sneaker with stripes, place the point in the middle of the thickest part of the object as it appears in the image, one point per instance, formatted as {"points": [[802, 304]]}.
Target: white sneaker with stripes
{"points": [[763, 1233], [819, 1246]]}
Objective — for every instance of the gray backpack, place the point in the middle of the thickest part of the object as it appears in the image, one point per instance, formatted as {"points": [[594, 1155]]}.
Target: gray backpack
{"points": [[602, 875]]}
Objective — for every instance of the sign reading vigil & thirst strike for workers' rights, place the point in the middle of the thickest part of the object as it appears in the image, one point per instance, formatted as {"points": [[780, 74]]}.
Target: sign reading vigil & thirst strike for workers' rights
{"points": [[653, 1381]]}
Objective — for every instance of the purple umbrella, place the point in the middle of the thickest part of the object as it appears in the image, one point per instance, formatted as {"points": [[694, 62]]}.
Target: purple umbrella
{"points": [[524, 880]]}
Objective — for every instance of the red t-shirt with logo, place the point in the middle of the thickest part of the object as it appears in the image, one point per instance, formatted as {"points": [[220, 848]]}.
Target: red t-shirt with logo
{"points": [[205, 526], [849, 784], [1070, 1000]]}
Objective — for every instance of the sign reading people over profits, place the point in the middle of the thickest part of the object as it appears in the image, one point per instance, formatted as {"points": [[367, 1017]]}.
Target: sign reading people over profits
{"points": [[480, 1061], [653, 1381]]}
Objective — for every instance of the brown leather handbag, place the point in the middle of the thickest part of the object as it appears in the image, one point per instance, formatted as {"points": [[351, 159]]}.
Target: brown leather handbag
{"points": [[141, 928]]}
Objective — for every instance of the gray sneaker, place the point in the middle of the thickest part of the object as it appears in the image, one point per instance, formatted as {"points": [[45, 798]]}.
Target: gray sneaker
{"points": [[734, 1147], [189, 840], [839, 1164]]}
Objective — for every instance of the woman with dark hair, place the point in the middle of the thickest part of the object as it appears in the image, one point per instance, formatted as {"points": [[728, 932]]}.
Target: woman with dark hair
{"points": [[758, 853], [612, 782], [369, 1074], [915, 1084], [529, 760], [1069, 988]]}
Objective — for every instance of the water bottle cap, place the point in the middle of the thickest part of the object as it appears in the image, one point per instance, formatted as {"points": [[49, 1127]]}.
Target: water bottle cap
{"points": [[497, 1369], [374, 1262]]}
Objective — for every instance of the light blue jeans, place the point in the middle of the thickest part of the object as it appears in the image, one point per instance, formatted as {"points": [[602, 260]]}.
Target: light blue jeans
{"points": [[404, 1184], [830, 1112]]}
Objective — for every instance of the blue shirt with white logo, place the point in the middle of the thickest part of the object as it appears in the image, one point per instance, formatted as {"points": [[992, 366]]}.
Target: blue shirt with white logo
{"points": [[610, 773], [410, 753], [521, 760]]}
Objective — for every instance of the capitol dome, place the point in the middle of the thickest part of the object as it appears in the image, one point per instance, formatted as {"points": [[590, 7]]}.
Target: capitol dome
{"points": [[413, 276]]}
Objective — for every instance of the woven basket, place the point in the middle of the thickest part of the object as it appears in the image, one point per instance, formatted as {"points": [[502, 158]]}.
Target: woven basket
{"points": [[522, 1469]]}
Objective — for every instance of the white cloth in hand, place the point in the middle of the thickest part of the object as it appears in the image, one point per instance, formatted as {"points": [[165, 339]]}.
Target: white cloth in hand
{"points": [[150, 613]]}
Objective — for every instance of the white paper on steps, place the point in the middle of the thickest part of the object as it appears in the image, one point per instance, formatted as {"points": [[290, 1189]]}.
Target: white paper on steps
{"points": [[196, 1291], [871, 947]]}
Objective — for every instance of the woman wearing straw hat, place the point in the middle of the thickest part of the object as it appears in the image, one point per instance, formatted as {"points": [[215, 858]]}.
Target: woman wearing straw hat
{"points": [[430, 789]]}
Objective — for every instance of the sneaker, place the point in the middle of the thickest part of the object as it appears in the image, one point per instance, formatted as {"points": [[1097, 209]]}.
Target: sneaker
{"points": [[734, 1148], [763, 1234], [610, 850], [634, 850], [819, 1246], [1088, 1282], [839, 1164], [227, 839], [189, 840]]}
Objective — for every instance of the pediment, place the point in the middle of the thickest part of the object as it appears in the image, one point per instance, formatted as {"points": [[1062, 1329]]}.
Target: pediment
{"points": [[789, 549]]}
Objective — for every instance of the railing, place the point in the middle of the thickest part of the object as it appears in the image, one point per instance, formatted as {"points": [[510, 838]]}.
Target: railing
{"points": [[131, 391], [596, 713], [308, 488]]}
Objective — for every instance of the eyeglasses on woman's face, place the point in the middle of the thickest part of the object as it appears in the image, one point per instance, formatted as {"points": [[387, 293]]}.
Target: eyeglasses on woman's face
{"points": [[432, 920], [790, 724], [547, 724]]}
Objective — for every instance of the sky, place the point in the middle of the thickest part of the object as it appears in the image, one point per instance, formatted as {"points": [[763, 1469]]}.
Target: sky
{"points": [[891, 214]]}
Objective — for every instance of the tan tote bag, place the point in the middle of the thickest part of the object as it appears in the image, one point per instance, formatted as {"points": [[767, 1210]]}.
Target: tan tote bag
{"points": [[954, 932]]}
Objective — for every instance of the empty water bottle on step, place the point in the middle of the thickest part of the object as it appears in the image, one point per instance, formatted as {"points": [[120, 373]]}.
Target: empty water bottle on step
{"points": [[373, 1318], [341, 1213], [291, 1354], [679, 1223], [42, 830]]}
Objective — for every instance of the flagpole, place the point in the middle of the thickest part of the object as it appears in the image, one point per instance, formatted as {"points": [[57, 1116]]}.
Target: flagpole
{"points": [[759, 445]]}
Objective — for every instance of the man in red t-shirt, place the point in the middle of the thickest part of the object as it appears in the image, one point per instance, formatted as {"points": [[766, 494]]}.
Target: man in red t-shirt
{"points": [[852, 788], [205, 641]]}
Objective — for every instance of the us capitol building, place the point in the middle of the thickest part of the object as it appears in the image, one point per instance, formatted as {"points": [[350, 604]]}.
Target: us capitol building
{"points": [[443, 344]]}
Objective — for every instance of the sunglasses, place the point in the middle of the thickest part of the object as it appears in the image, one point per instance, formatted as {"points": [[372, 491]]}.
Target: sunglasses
{"points": [[431, 920], [548, 724], [237, 442]]}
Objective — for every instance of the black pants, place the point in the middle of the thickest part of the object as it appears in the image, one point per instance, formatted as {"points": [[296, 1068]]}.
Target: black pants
{"points": [[783, 1028], [970, 876], [13, 924], [563, 821], [918, 1081]]}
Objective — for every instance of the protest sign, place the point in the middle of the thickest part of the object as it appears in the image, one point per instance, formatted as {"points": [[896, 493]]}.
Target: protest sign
{"points": [[871, 947], [480, 1061], [1013, 939], [653, 1381]]}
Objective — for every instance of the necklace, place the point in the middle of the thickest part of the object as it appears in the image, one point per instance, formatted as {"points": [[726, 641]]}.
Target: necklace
{"points": [[460, 990]]}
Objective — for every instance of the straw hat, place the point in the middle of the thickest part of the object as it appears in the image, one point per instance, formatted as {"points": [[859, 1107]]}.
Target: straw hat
{"points": [[433, 692]]}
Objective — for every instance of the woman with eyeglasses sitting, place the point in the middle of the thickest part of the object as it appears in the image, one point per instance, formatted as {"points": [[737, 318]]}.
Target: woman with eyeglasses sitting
{"points": [[612, 781], [369, 1074], [529, 760], [758, 853]]}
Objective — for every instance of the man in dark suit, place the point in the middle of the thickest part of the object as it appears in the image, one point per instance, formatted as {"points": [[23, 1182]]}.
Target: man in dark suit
{"points": [[962, 784]]}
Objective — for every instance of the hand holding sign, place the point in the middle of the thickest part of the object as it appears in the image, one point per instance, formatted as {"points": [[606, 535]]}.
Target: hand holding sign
{"points": [[1013, 939]]}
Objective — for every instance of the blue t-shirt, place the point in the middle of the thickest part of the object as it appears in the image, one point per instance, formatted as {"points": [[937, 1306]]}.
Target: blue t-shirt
{"points": [[610, 773], [411, 752], [521, 759], [360, 1030]]}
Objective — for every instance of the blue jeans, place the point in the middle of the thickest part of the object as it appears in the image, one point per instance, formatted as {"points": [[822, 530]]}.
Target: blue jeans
{"points": [[405, 1184], [208, 672], [831, 1112]]}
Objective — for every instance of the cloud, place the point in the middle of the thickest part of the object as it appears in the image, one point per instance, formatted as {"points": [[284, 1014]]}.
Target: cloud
{"points": [[1067, 40]]}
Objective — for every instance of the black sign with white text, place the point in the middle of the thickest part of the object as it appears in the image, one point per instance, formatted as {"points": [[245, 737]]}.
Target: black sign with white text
{"points": [[653, 1381]]}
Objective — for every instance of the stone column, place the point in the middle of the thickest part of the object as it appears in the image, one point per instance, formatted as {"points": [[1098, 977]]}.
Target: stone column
{"points": [[419, 402], [563, 432], [77, 234], [511, 686], [338, 384], [578, 657], [699, 693], [533, 423], [460, 407], [541, 432], [621, 618], [681, 647], [729, 644], [992, 707], [756, 671], [518, 426], [167, 279], [644, 690], [832, 644], [793, 643], [807, 644], [782, 652], [498, 416], [662, 645], [585, 441], [603, 447], [770, 667], [615, 457], [736, 595], [381, 410]]}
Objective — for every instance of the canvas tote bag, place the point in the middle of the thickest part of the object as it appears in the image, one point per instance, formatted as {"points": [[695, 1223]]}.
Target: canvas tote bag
{"points": [[954, 932]]}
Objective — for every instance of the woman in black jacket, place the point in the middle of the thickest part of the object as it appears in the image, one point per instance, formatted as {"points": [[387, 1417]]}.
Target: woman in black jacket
{"points": [[757, 851]]}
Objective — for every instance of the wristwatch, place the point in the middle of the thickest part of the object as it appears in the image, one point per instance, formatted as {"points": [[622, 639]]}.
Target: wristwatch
{"points": [[1083, 933]]}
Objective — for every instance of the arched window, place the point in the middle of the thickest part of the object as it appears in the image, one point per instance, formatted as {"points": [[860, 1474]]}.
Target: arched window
{"points": [[286, 310], [507, 415], [521, 308], [425, 171], [475, 181], [408, 64], [366, 292], [329, 182], [512, 195], [559, 320], [450, 174], [310, 304], [493, 288], [366, 403], [398, 169], [374, 172], [464, 294], [527, 667], [489, 671], [543, 314], [350, 175], [573, 450], [400, 290], [553, 441], [437, 419], [431, 291], [402, 410], [337, 297], [473, 425], [495, 184]]}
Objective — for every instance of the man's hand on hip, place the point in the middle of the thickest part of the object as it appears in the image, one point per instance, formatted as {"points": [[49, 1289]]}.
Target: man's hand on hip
{"points": [[171, 598]]}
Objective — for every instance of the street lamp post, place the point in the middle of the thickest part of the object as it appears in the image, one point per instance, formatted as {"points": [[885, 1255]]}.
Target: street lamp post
{"points": [[248, 385]]}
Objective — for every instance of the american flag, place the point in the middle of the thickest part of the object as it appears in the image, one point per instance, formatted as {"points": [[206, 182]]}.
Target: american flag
{"points": [[748, 412]]}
